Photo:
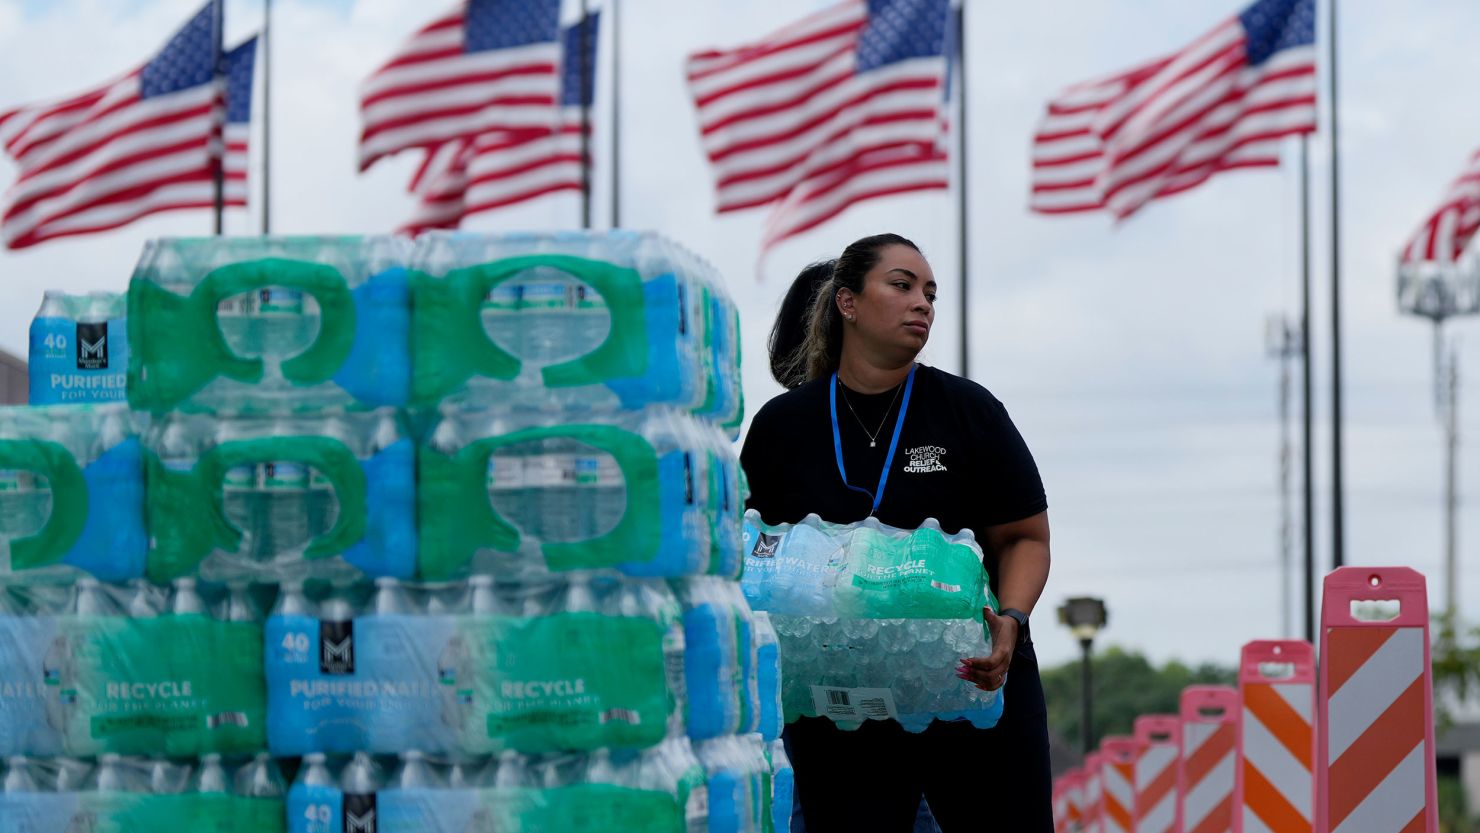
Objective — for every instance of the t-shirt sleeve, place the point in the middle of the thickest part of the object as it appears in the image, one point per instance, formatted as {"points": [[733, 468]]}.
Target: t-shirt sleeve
{"points": [[1012, 489]]}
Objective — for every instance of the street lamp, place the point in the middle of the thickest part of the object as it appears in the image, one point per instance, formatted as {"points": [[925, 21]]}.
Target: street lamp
{"points": [[1084, 616]]}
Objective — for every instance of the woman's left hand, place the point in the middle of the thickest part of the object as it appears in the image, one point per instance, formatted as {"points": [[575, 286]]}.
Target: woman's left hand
{"points": [[990, 672]]}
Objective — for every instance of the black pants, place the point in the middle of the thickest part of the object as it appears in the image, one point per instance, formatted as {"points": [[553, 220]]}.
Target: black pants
{"points": [[872, 779]]}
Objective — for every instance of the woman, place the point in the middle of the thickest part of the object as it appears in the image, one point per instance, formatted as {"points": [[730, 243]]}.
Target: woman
{"points": [[866, 430]]}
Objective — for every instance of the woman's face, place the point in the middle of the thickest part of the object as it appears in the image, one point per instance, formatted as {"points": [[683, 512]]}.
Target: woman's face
{"points": [[894, 312]]}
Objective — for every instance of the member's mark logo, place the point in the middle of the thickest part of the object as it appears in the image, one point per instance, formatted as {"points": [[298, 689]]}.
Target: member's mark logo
{"points": [[765, 546]]}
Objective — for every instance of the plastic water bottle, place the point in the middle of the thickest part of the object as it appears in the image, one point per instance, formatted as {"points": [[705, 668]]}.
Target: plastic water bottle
{"points": [[315, 803], [238, 605], [168, 778], [515, 772], [745, 649], [358, 783], [185, 599], [210, 776], [25, 503], [413, 772], [115, 775], [391, 599], [768, 675], [783, 787], [286, 513], [711, 664], [146, 602], [259, 779], [269, 322], [18, 776], [315, 771], [730, 774]]}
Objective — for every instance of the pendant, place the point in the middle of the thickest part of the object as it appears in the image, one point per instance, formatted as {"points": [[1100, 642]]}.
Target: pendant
{"points": [[871, 443]]}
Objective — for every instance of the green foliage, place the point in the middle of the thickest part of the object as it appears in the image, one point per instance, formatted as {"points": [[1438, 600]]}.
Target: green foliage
{"points": [[1456, 658], [1454, 816], [1126, 686]]}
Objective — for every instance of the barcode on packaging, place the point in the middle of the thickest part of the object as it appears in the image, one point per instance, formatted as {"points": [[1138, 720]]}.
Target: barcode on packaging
{"points": [[854, 703]]}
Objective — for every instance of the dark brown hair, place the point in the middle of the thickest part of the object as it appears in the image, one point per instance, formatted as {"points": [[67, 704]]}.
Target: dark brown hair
{"points": [[807, 342]]}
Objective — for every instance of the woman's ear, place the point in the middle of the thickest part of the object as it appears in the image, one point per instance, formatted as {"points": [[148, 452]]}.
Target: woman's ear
{"points": [[844, 300]]}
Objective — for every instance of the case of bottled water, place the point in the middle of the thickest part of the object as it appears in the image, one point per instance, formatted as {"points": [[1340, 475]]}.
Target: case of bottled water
{"points": [[71, 492], [277, 498], [866, 570], [656, 790], [723, 662], [872, 620], [783, 787], [770, 715], [651, 493], [274, 324], [134, 669], [724, 400], [565, 663], [605, 321], [142, 795], [79, 349], [740, 784]]}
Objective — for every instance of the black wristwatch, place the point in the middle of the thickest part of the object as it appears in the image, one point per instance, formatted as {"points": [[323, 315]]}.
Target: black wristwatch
{"points": [[1022, 619]]}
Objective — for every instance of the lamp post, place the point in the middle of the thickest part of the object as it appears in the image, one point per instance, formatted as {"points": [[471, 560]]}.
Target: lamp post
{"points": [[1439, 291], [1084, 616]]}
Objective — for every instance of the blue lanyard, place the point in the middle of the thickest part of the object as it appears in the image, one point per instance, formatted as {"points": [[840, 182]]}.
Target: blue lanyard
{"points": [[878, 494]]}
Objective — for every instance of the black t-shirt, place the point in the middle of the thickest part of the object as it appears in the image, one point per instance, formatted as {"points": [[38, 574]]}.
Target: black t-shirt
{"points": [[960, 459]]}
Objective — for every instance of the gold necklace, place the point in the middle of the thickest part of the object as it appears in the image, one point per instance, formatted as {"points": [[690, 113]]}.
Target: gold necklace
{"points": [[874, 437]]}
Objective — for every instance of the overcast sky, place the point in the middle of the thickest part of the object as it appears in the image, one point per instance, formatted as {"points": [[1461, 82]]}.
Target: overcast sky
{"points": [[1132, 358]]}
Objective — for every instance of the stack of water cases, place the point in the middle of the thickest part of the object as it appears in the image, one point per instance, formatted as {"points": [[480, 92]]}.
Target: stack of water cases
{"points": [[577, 655], [124, 704], [485, 489], [872, 619]]}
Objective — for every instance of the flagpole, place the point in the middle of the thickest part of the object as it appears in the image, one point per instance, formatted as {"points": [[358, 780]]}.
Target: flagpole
{"points": [[960, 58], [266, 116], [218, 175], [1338, 555], [585, 83], [614, 17], [1307, 450]]}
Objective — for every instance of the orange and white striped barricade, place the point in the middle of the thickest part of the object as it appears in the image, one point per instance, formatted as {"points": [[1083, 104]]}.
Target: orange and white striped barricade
{"points": [[1160, 738], [1275, 789], [1093, 806], [1205, 773], [1074, 799], [1375, 770], [1118, 783]]}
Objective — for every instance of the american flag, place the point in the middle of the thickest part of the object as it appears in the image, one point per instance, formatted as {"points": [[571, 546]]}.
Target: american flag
{"points": [[843, 106], [144, 143], [488, 65], [1224, 102], [503, 167], [1446, 233], [240, 64]]}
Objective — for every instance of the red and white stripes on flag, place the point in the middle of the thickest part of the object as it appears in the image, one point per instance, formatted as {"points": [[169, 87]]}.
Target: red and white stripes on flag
{"points": [[1446, 233], [450, 82], [842, 106], [143, 143], [1224, 102], [469, 176]]}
